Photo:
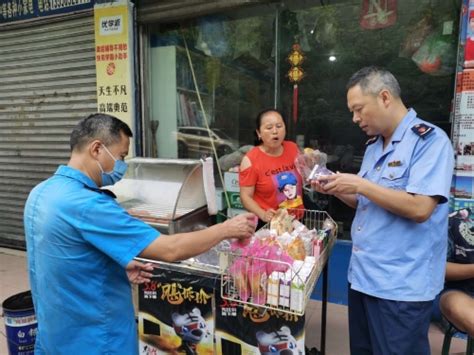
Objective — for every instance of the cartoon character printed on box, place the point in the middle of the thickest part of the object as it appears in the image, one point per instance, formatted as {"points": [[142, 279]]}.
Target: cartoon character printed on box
{"points": [[280, 342], [288, 186], [469, 46], [191, 328]]}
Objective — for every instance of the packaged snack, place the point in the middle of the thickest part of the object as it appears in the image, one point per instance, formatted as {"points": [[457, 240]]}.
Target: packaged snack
{"points": [[319, 171], [285, 285], [306, 162], [273, 289], [296, 249], [282, 222]]}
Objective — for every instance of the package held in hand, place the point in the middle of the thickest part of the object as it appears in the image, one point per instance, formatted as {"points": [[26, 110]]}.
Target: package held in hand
{"points": [[312, 164]]}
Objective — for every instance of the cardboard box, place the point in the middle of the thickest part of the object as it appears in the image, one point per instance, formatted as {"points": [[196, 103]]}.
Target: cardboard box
{"points": [[232, 212], [234, 200], [231, 181]]}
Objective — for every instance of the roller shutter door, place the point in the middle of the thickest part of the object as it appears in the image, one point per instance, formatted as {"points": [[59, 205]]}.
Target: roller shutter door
{"points": [[47, 83], [150, 11]]}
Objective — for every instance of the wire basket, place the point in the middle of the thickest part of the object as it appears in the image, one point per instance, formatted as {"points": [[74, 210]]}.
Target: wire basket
{"points": [[275, 284]]}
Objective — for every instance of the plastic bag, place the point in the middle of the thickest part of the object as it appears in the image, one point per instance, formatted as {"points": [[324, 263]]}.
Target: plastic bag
{"points": [[436, 56], [312, 164], [416, 35]]}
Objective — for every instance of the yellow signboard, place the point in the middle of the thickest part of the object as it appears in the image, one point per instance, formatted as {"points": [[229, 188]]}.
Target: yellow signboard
{"points": [[114, 60]]}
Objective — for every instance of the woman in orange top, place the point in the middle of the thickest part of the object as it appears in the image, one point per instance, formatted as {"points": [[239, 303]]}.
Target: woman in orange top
{"points": [[268, 177]]}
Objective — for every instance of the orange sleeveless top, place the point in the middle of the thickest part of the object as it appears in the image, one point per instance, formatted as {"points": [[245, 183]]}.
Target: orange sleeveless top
{"points": [[277, 182]]}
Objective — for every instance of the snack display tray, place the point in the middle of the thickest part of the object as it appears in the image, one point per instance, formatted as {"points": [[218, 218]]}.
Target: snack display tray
{"points": [[229, 290]]}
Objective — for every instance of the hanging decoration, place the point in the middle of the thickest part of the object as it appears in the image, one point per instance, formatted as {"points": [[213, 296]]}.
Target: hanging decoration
{"points": [[378, 14], [295, 74]]}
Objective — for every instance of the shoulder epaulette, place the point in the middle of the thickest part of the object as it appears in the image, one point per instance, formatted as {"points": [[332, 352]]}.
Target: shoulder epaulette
{"points": [[422, 130], [372, 140]]}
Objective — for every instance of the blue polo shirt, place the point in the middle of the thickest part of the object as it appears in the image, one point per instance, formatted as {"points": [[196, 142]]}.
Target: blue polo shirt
{"points": [[79, 241], [393, 257]]}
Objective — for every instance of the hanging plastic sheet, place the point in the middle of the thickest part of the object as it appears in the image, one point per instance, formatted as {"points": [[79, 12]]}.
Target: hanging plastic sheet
{"points": [[437, 55], [213, 36]]}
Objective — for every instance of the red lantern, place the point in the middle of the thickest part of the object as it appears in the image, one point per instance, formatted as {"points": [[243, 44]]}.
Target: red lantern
{"points": [[295, 74]]}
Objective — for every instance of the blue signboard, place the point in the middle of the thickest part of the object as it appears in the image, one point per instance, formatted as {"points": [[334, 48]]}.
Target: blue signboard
{"points": [[18, 10]]}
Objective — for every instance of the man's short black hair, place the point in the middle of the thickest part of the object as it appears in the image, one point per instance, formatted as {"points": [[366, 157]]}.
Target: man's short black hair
{"points": [[100, 126], [372, 80]]}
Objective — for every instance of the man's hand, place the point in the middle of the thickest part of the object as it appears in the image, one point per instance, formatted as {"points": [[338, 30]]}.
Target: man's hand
{"points": [[241, 226], [138, 272], [346, 184], [318, 186]]}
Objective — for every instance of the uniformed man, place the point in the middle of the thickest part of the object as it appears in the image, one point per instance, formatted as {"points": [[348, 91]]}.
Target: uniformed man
{"points": [[399, 231]]}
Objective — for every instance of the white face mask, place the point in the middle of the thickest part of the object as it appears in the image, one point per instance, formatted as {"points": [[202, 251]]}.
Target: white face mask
{"points": [[117, 173]]}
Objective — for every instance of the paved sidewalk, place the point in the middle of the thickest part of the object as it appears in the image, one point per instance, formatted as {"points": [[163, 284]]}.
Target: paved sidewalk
{"points": [[14, 279]]}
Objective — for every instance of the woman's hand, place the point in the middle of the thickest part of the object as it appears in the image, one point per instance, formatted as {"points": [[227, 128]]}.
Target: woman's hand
{"points": [[268, 215]]}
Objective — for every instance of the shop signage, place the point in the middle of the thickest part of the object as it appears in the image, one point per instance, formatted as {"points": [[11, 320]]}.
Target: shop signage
{"points": [[176, 314], [184, 313], [114, 60], [18, 10]]}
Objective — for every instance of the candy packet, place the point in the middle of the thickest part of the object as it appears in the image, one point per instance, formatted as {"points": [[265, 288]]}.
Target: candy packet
{"points": [[312, 164]]}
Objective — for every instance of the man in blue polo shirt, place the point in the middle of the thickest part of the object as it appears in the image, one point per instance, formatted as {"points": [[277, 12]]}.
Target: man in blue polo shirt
{"points": [[399, 231], [81, 245]]}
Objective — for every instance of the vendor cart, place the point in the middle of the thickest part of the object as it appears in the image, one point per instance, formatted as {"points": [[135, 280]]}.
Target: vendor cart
{"points": [[184, 308], [189, 307]]}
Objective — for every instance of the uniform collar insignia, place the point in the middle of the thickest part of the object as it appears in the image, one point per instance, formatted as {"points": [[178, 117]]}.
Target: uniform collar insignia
{"points": [[422, 130], [371, 140], [394, 163]]}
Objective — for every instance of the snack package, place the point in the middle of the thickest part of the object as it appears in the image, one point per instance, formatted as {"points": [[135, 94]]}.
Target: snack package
{"points": [[318, 171], [306, 162], [296, 249], [258, 259], [311, 165], [257, 279], [239, 273], [329, 227], [282, 222]]}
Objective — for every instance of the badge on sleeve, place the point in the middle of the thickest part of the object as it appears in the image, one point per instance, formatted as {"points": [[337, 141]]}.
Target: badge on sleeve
{"points": [[372, 140], [422, 130]]}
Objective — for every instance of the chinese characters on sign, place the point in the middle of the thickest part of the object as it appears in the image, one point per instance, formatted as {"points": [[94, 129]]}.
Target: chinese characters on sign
{"points": [[111, 52], [16, 10], [114, 64], [175, 293], [113, 90], [111, 25]]}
